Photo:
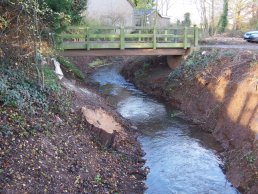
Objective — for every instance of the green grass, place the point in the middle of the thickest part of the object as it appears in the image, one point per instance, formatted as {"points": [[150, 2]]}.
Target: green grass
{"points": [[71, 68]]}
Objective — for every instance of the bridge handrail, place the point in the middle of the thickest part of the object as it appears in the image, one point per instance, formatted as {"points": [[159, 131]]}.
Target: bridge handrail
{"points": [[106, 37], [128, 27]]}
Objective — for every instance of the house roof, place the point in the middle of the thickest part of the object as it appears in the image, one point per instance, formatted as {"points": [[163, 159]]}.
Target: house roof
{"points": [[132, 3], [142, 12], [147, 12]]}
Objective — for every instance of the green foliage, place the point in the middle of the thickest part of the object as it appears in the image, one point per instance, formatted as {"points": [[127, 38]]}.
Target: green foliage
{"points": [[229, 53], [223, 21], [98, 178], [195, 63], [61, 13], [146, 66], [17, 91], [50, 79], [187, 19], [3, 23], [61, 103], [175, 114], [142, 71], [250, 157], [144, 4], [91, 23], [71, 68]]}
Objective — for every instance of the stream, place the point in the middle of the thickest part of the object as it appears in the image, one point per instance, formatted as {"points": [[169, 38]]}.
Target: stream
{"points": [[181, 158]]}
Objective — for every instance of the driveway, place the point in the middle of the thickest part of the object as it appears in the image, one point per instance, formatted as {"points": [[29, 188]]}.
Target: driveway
{"points": [[227, 43]]}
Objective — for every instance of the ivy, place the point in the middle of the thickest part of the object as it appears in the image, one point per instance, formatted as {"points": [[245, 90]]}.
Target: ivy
{"points": [[195, 63], [18, 92], [223, 21]]}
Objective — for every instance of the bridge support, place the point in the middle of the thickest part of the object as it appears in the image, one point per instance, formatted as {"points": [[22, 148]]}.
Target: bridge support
{"points": [[174, 60]]}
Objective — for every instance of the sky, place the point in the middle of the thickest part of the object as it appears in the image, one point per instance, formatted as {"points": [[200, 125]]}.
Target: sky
{"points": [[180, 7]]}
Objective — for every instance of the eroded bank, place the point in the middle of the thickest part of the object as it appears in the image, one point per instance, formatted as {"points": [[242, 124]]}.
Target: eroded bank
{"points": [[217, 89]]}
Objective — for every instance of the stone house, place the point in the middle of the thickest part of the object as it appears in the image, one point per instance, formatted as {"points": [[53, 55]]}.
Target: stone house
{"points": [[111, 12], [147, 17]]}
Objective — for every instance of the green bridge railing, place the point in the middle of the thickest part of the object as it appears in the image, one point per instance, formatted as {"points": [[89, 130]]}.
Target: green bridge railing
{"points": [[81, 37]]}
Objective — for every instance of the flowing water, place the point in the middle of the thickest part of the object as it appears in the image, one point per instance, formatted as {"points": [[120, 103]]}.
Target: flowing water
{"points": [[182, 160]]}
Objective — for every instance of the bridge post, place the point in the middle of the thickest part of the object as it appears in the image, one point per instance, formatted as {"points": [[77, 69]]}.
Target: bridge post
{"points": [[154, 38], [88, 38], [139, 39], [61, 45], [196, 36], [122, 38], [166, 33], [185, 38]]}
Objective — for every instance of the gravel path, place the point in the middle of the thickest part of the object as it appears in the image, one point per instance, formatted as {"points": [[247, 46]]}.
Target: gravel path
{"points": [[253, 46]]}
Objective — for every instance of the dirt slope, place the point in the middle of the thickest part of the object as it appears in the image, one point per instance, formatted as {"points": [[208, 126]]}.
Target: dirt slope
{"points": [[62, 153]]}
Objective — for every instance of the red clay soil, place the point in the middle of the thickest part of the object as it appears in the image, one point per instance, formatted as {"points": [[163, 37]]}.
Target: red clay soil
{"points": [[222, 98]]}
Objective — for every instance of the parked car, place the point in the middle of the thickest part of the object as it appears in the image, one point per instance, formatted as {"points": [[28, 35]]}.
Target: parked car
{"points": [[254, 38], [251, 36]]}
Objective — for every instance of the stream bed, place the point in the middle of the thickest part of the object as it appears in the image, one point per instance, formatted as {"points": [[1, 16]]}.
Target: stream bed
{"points": [[181, 158]]}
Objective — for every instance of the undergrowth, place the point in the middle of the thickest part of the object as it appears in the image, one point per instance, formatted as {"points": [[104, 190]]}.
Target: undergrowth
{"points": [[51, 80], [195, 63], [19, 92]]}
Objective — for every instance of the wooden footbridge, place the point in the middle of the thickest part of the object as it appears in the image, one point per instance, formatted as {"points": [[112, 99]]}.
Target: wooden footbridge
{"points": [[127, 41]]}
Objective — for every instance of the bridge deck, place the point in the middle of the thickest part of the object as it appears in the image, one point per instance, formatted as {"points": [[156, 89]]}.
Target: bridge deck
{"points": [[127, 52]]}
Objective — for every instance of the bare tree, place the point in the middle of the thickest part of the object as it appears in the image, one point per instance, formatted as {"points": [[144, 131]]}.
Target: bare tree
{"points": [[212, 17], [240, 12], [164, 6], [254, 10], [204, 17], [210, 11]]}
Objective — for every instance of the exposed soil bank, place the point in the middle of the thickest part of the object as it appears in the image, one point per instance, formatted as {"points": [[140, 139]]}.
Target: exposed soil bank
{"points": [[217, 89]]}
